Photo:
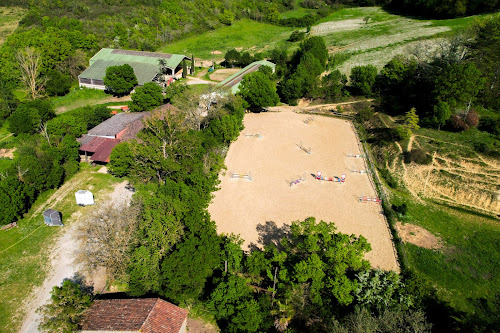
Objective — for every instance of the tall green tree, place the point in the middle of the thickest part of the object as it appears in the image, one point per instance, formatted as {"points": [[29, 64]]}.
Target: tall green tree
{"points": [[258, 90], [363, 79], [146, 97], [65, 310], [120, 80]]}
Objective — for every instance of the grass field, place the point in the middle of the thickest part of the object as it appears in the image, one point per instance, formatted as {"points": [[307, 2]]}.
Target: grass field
{"points": [[245, 34], [79, 97], [447, 198], [23, 250], [467, 266], [9, 19]]}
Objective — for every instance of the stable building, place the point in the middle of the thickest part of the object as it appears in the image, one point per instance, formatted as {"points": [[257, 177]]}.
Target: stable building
{"points": [[146, 66], [146, 315], [234, 80], [98, 143]]}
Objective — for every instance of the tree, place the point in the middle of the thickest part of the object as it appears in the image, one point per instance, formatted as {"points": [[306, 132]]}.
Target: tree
{"points": [[333, 85], [442, 113], [458, 85], [146, 97], [310, 266], [363, 78], [484, 53], [105, 239], [58, 84], [120, 80], [66, 308], [30, 62], [411, 119], [258, 90], [184, 68], [30, 115], [232, 57], [381, 290], [227, 17]]}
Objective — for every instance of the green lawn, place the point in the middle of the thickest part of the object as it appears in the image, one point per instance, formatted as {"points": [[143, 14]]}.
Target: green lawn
{"points": [[9, 18], [24, 250], [468, 266], [246, 34], [77, 98]]}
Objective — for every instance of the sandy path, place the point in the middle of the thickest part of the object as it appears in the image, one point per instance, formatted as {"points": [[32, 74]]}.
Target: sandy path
{"points": [[240, 206], [195, 80], [62, 265]]}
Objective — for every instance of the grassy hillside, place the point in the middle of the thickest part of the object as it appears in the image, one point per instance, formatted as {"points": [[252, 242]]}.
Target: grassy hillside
{"points": [[9, 19], [452, 196], [244, 34], [374, 41]]}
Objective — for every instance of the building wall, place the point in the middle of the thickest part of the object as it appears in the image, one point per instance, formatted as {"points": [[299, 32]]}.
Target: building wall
{"points": [[183, 327], [92, 84]]}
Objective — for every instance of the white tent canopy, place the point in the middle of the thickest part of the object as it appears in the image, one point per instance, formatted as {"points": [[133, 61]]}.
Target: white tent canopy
{"points": [[84, 198]]}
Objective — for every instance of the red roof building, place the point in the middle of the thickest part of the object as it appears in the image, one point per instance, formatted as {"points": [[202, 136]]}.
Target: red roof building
{"points": [[98, 143], [146, 315]]}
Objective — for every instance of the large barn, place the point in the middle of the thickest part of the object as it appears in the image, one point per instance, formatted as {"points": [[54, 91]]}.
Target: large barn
{"points": [[234, 80], [98, 143], [145, 64]]}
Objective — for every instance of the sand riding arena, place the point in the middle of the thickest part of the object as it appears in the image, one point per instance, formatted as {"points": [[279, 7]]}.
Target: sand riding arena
{"points": [[272, 178]]}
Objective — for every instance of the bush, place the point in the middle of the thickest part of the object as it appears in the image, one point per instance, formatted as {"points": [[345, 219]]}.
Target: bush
{"points": [[418, 156], [296, 36], [365, 114], [400, 209], [403, 133], [389, 178]]}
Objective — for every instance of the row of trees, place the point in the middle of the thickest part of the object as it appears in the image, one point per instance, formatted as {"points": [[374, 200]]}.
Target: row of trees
{"points": [[46, 155]]}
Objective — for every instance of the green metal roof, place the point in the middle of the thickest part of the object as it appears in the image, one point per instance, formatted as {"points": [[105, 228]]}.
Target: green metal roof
{"points": [[145, 64], [234, 80]]}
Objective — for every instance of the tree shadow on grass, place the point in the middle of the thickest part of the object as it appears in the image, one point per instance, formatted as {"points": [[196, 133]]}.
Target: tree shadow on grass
{"points": [[270, 233]]}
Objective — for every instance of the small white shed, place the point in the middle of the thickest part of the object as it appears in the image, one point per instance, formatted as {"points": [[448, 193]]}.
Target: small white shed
{"points": [[84, 198]]}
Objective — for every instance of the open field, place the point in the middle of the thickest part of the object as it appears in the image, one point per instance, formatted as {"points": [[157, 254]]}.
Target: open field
{"points": [[242, 206], [374, 42], [244, 34], [465, 265], [25, 251], [451, 198], [9, 19], [80, 97]]}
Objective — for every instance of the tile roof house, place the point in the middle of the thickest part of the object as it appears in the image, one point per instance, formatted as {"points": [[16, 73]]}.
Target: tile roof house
{"points": [[146, 315], [234, 80], [145, 64], [98, 143]]}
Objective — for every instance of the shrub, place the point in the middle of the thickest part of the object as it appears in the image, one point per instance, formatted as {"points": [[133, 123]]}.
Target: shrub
{"points": [[365, 114], [418, 156], [401, 209], [296, 36], [58, 84]]}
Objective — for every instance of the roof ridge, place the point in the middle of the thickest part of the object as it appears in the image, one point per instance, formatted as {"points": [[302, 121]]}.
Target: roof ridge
{"points": [[150, 312]]}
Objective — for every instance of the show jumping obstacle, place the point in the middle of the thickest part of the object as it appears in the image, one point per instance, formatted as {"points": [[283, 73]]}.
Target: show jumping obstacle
{"points": [[356, 156], [319, 176], [308, 120], [307, 150], [298, 180], [365, 199], [256, 135], [361, 171], [239, 175]]}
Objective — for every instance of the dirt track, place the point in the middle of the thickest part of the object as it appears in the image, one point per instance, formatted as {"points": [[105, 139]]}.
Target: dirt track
{"points": [[62, 260], [274, 160]]}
